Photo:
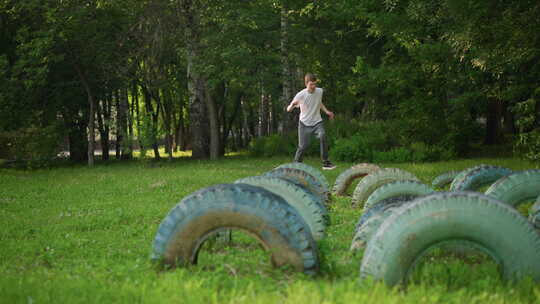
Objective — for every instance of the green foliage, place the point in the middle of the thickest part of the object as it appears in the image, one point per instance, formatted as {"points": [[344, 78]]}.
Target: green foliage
{"points": [[32, 144], [273, 145], [528, 141], [388, 141]]}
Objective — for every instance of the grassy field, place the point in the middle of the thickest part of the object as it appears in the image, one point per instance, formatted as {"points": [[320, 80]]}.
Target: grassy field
{"points": [[80, 235]]}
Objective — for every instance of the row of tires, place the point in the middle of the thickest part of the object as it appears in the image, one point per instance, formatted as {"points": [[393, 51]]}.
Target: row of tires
{"points": [[404, 218], [284, 209]]}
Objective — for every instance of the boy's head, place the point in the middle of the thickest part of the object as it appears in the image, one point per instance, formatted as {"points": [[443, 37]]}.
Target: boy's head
{"points": [[311, 82]]}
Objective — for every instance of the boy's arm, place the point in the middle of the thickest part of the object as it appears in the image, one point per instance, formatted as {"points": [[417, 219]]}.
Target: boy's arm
{"points": [[292, 105], [325, 110]]}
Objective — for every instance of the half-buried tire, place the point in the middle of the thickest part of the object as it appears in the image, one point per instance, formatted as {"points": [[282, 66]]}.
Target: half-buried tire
{"points": [[444, 179], [381, 206], [534, 214], [516, 188], [311, 170], [265, 216], [370, 183], [302, 178], [398, 188], [309, 206], [431, 221], [345, 179], [478, 177]]}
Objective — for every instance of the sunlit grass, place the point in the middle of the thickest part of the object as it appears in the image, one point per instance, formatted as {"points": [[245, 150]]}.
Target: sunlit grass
{"points": [[84, 235]]}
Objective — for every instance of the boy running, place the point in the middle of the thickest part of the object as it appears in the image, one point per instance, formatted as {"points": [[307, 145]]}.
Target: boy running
{"points": [[309, 100]]}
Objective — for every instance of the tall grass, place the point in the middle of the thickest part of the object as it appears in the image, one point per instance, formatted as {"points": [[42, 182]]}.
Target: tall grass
{"points": [[80, 235]]}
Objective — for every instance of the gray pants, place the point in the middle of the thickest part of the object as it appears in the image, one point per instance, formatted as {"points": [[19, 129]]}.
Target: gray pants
{"points": [[304, 137]]}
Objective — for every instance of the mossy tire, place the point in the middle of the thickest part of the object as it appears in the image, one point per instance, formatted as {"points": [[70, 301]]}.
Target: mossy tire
{"points": [[309, 206], [397, 188], [311, 170], [347, 177], [444, 179], [302, 178], [492, 226], [516, 188], [265, 216], [478, 177], [371, 182]]}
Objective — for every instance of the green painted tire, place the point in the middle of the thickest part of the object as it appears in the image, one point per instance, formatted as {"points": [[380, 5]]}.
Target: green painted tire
{"points": [[309, 206], [302, 178], [478, 177], [534, 214], [468, 217], [444, 179], [397, 188], [459, 177], [345, 179], [365, 232], [516, 188], [381, 206], [262, 214], [311, 170], [370, 183]]}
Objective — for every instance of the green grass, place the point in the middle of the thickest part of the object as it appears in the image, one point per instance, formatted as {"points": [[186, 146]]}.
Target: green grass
{"points": [[80, 235]]}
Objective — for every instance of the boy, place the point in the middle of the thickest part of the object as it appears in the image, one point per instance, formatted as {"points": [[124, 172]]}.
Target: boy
{"points": [[309, 100]]}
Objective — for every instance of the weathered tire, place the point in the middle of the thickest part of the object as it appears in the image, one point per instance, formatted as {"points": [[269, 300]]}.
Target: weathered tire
{"points": [[300, 177], [534, 214], [367, 230], [459, 177], [480, 176], [461, 174], [262, 214], [380, 207], [370, 183], [309, 206], [444, 179], [311, 170], [345, 179], [516, 188], [471, 217], [397, 188]]}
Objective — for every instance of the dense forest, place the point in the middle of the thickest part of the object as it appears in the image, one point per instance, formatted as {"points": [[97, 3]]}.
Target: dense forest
{"points": [[410, 80]]}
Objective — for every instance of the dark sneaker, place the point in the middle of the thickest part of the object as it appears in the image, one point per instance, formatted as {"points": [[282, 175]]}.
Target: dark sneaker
{"points": [[328, 166]]}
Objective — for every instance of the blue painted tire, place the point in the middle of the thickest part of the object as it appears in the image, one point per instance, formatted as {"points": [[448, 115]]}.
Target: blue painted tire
{"points": [[262, 214], [309, 206], [430, 221]]}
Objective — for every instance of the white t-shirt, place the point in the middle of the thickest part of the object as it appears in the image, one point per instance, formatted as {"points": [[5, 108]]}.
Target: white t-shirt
{"points": [[310, 106]]}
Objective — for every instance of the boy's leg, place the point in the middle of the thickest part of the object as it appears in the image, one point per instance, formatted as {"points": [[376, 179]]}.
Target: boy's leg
{"points": [[321, 135], [304, 136]]}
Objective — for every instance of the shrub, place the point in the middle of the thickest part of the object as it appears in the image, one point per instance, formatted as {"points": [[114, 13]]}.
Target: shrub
{"points": [[273, 145], [31, 144]]}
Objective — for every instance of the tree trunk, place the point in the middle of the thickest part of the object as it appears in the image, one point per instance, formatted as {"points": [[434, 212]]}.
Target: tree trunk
{"points": [[214, 125], [493, 121], [263, 113], [197, 109], [246, 132], [138, 116], [167, 120], [508, 119], [125, 126], [91, 115], [119, 135], [78, 141], [287, 123], [230, 124], [103, 113]]}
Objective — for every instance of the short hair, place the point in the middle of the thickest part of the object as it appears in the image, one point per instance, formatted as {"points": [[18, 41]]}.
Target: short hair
{"points": [[310, 77]]}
